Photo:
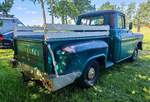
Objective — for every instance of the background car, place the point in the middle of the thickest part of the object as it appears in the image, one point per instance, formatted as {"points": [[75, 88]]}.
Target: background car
{"points": [[7, 25]]}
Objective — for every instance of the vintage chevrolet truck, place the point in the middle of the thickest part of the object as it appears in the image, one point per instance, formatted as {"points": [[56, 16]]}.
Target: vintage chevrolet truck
{"points": [[69, 53]]}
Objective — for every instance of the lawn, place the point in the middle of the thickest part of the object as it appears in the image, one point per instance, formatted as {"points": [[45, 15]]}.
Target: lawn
{"points": [[125, 82]]}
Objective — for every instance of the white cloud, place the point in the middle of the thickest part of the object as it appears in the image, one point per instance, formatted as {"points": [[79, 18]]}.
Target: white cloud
{"points": [[20, 8], [31, 12]]}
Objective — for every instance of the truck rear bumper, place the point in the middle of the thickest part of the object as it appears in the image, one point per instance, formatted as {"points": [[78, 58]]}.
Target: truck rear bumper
{"points": [[34, 74], [51, 83]]}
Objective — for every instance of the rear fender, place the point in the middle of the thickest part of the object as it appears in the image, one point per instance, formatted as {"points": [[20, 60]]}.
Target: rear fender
{"points": [[85, 46], [85, 52]]}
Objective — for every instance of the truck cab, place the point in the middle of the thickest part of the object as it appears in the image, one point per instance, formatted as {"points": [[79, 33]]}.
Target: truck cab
{"points": [[122, 41], [66, 53]]}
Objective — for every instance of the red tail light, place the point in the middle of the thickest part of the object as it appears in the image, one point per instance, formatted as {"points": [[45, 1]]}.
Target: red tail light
{"points": [[1, 37]]}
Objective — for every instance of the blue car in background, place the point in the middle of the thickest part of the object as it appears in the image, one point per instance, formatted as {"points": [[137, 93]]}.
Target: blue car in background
{"points": [[7, 25]]}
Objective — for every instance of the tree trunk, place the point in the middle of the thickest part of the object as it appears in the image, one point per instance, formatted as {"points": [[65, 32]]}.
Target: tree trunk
{"points": [[52, 11], [63, 20], [138, 27], [43, 12], [66, 18]]}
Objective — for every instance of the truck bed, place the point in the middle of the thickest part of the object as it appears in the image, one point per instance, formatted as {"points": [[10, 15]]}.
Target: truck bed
{"points": [[63, 32], [30, 47]]}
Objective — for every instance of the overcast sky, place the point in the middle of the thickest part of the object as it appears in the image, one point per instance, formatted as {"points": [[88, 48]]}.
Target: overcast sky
{"points": [[30, 14]]}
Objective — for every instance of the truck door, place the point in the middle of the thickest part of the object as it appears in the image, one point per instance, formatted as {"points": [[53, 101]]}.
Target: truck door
{"points": [[127, 39]]}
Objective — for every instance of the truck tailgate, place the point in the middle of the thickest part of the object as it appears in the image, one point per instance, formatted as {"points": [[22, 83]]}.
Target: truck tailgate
{"points": [[30, 53]]}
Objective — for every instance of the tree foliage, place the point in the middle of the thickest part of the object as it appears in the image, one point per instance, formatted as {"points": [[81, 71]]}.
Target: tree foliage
{"points": [[68, 8], [107, 6], [142, 16], [6, 6], [65, 9], [131, 9], [84, 6], [122, 7], [52, 9]]}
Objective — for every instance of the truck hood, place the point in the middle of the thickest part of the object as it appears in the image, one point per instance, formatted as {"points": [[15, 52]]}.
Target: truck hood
{"points": [[138, 35]]}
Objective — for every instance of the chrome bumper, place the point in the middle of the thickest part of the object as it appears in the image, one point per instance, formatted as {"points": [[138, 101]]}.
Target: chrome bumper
{"points": [[52, 84]]}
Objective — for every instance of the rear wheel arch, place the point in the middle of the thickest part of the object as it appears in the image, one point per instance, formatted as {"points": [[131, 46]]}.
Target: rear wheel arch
{"points": [[100, 59], [97, 62]]}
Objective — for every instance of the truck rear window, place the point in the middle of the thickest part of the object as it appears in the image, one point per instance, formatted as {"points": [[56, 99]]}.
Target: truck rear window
{"points": [[93, 21], [97, 21]]}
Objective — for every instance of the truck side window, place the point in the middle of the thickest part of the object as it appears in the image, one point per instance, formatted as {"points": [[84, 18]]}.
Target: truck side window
{"points": [[97, 21], [121, 22]]}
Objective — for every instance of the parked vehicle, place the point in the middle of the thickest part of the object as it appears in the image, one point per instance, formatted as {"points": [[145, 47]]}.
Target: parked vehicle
{"points": [[75, 52], [7, 25]]}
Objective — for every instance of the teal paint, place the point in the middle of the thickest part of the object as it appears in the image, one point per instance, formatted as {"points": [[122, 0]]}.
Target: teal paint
{"points": [[73, 54]]}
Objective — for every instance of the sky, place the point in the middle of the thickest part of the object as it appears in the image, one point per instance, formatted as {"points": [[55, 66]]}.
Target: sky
{"points": [[30, 14]]}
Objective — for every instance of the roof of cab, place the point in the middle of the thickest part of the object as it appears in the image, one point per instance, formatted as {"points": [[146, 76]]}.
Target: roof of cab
{"points": [[96, 13]]}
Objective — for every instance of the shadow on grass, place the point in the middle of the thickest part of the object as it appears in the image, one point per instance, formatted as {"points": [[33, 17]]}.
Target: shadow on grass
{"points": [[115, 84]]}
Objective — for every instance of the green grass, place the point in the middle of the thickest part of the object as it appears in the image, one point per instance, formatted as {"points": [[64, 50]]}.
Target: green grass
{"points": [[125, 82]]}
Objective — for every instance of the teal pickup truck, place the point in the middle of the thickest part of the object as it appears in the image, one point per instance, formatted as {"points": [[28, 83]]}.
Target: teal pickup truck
{"points": [[69, 53]]}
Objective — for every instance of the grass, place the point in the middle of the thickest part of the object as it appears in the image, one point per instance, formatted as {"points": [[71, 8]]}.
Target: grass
{"points": [[125, 82]]}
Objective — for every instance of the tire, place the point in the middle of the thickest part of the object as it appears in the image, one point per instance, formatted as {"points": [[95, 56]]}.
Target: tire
{"points": [[135, 55], [90, 74]]}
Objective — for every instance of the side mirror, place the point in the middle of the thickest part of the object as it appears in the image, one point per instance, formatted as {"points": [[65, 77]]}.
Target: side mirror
{"points": [[130, 26]]}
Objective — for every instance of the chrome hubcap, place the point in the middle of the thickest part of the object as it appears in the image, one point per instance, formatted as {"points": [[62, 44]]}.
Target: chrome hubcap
{"points": [[91, 73]]}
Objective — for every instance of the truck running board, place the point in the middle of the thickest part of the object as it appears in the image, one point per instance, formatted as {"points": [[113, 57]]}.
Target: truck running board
{"points": [[109, 64], [64, 80]]}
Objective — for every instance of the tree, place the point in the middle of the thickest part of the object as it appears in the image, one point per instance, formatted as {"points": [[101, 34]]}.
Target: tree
{"points": [[65, 9], [83, 6], [130, 12], [122, 7], [41, 2], [107, 6], [142, 16], [6, 6], [52, 9]]}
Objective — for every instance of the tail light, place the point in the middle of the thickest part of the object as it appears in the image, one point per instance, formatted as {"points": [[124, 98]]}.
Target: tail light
{"points": [[1, 37]]}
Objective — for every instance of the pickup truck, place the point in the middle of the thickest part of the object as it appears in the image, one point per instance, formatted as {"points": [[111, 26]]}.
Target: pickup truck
{"points": [[75, 53], [7, 25]]}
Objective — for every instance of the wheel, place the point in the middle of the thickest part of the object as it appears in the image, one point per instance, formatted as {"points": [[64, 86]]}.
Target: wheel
{"points": [[90, 75], [134, 55]]}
